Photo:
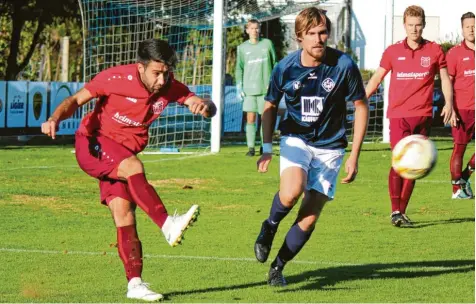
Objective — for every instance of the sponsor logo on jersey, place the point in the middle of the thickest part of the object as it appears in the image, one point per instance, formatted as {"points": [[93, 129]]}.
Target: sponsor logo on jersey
{"points": [[401, 58], [296, 85], [411, 75], [425, 62], [123, 119], [134, 100], [328, 84], [158, 107], [311, 108], [257, 60], [465, 58], [129, 77], [312, 76], [468, 73]]}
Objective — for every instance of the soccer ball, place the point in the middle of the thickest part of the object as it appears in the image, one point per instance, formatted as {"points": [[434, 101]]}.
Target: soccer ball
{"points": [[414, 157]]}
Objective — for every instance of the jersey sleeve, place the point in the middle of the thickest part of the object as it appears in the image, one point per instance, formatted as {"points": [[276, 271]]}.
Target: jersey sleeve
{"points": [[275, 93], [239, 67], [441, 58], [355, 85], [386, 61], [100, 85], [179, 92]]}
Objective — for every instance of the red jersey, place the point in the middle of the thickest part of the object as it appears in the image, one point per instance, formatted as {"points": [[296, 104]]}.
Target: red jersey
{"points": [[413, 74], [125, 109], [461, 66]]}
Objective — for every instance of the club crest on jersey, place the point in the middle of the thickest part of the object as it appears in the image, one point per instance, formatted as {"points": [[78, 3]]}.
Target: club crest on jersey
{"points": [[328, 84], [158, 107], [425, 62], [296, 85]]}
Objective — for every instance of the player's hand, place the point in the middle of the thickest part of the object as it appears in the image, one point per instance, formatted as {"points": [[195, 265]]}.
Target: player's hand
{"points": [[49, 128], [240, 93], [200, 108], [448, 115], [454, 121], [351, 168], [263, 162]]}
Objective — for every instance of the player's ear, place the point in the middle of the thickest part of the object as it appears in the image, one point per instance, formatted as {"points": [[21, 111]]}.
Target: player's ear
{"points": [[141, 68]]}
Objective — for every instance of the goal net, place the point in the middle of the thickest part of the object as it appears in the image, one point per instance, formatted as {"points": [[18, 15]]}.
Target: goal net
{"points": [[114, 28]]}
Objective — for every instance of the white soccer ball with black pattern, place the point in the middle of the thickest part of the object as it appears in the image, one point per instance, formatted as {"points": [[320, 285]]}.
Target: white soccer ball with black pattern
{"points": [[414, 156]]}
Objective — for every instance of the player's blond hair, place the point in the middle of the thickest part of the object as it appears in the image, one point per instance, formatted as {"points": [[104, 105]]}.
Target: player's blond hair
{"points": [[414, 11], [252, 21], [309, 18]]}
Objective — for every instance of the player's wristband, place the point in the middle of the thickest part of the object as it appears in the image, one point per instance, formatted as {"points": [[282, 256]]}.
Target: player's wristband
{"points": [[268, 148]]}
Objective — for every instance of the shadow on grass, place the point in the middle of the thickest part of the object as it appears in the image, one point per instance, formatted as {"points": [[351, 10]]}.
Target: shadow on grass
{"points": [[423, 224], [327, 278]]}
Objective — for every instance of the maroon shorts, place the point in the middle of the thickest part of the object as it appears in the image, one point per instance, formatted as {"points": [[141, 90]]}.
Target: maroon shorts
{"points": [[464, 132], [403, 127], [99, 157]]}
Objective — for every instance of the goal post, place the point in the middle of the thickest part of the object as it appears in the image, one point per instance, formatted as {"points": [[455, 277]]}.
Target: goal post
{"points": [[112, 30]]}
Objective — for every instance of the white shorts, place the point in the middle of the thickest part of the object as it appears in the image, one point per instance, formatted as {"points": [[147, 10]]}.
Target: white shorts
{"points": [[322, 165]]}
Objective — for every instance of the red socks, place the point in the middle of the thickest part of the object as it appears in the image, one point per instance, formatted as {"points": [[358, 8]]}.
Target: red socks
{"points": [[130, 250], [147, 199], [406, 193], [394, 189]]}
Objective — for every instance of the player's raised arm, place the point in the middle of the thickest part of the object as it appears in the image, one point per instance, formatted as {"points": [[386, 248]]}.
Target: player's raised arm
{"points": [[375, 81], [204, 107], [65, 110], [447, 88]]}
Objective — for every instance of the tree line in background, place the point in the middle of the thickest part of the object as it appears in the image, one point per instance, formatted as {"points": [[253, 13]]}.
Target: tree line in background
{"points": [[31, 30]]}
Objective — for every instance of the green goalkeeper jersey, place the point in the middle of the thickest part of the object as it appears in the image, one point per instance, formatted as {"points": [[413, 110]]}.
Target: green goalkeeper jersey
{"points": [[254, 65]]}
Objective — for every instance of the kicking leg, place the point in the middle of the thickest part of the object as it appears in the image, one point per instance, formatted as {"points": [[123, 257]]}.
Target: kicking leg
{"points": [[173, 227]]}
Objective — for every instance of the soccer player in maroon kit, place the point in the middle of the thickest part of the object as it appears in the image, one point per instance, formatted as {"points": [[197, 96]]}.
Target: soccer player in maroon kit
{"points": [[129, 99], [461, 70], [414, 62]]}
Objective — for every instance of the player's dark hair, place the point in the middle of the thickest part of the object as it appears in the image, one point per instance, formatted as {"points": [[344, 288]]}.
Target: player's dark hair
{"points": [[467, 15], [156, 50], [309, 18]]}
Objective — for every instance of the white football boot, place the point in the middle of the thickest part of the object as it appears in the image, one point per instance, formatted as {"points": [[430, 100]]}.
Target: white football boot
{"points": [[175, 225], [462, 192], [136, 289]]}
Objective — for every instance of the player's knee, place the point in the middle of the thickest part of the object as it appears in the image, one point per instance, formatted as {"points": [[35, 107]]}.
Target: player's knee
{"points": [[122, 212], [308, 223], [290, 196], [130, 166]]}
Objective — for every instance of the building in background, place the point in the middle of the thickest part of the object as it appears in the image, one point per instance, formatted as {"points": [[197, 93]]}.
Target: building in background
{"points": [[364, 29]]}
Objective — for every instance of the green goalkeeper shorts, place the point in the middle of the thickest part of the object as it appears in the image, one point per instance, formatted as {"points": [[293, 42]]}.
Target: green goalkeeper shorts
{"points": [[254, 103]]}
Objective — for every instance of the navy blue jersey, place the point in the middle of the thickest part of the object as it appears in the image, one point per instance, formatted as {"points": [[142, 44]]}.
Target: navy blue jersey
{"points": [[316, 97]]}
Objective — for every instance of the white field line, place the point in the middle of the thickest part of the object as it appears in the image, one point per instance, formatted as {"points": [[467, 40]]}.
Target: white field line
{"points": [[165, 256], [76, 166]]}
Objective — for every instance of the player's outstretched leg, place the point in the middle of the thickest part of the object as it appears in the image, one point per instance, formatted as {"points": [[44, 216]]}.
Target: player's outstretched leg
{"points": [[175, 225], [137, 289]]}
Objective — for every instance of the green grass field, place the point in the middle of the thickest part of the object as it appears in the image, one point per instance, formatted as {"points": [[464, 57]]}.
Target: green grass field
{"points": [[57, 242]]}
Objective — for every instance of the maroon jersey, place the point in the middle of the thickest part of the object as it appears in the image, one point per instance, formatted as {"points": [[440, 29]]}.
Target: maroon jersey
{"points": [[461, 66], [125, 109], [413, 74]]}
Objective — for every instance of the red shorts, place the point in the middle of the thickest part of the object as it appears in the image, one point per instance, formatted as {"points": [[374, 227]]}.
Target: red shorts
{"points": [[99, 157], [403, 127], [464, 132]]}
